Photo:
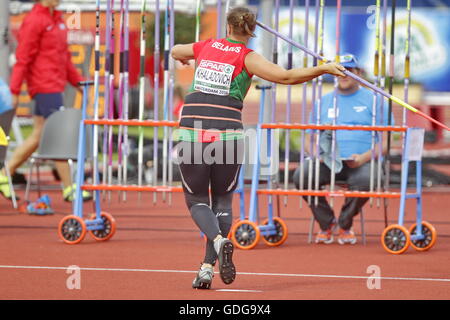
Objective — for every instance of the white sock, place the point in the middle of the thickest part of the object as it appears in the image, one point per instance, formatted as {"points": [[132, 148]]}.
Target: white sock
{"points": [[206, 265]]}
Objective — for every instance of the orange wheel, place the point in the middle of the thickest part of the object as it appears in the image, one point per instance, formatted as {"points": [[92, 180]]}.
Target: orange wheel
{"points": [[234, 222], [109, 229], [280, 237], [72, 229], [229, 232], [430, 236], [245, 234], [395, 239]]}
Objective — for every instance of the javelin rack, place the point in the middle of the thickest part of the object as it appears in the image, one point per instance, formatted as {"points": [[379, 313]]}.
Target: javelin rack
{"points": [[395, 238]]}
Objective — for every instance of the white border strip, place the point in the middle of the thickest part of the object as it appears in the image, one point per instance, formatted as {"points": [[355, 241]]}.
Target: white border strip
{"points": [[239, 273]]}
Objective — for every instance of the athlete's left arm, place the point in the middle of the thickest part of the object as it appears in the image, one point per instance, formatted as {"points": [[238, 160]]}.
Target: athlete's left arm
{"points": [[258, 65], [183, 52]]}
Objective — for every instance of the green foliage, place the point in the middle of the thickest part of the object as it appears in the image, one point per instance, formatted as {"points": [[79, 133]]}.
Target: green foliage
{"points": [[184, 30], [295, 137]]}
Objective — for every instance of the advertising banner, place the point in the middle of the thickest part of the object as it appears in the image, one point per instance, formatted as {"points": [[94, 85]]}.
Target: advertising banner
{"points": [[429, 45]]}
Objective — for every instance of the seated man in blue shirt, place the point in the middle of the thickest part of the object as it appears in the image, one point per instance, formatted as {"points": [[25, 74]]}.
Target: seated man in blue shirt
{"points": [[354, 107]]}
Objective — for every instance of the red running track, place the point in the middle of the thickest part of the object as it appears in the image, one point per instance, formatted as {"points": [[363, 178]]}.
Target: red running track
{"points": [[157, 249]]}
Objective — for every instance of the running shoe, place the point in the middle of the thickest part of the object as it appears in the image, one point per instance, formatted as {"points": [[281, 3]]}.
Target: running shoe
{"points": [[204, 278], [224, 249], [346, 237], [326, 236], [69, 194]]}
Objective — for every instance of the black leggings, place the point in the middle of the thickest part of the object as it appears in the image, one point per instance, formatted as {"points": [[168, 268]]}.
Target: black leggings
{"points": [[214, 167]]}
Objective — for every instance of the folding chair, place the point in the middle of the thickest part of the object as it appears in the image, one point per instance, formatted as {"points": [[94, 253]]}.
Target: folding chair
{"points": [[59, 141]]}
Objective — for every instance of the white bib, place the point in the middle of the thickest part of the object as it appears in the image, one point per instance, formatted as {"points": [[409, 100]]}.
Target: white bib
{"points": [[213, 77]]}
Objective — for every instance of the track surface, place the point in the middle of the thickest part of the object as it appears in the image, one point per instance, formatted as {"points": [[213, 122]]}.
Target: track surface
{"points": [[157, 249]]}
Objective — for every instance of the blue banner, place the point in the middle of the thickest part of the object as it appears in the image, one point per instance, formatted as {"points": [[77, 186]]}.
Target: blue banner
{"points": [[429, 44]]}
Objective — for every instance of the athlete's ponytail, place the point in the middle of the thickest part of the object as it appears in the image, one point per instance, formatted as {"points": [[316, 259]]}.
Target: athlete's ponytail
{"points": [[242, 20]]}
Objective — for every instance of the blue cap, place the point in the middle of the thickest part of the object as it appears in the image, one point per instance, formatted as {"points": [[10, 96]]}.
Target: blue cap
{"points": [[349, 61]]}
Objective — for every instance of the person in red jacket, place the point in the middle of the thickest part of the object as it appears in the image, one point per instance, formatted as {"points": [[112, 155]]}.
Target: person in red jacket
{"points": [[44, 62]]}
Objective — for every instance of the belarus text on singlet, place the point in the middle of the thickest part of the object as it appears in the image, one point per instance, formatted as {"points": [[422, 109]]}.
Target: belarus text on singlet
{"points": [[213, 77]]}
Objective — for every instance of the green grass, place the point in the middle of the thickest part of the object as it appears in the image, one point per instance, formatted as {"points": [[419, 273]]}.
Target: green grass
{"points": [[25, 130]]}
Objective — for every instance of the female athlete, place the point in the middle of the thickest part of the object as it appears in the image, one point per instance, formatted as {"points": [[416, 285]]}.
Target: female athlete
{"points": [[210, 151]]}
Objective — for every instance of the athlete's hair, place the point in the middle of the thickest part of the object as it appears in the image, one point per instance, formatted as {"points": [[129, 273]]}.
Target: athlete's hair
{"points": [[242, 20]]}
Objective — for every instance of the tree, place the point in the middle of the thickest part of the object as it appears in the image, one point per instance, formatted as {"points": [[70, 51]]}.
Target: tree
{"points": [[184, 30]]}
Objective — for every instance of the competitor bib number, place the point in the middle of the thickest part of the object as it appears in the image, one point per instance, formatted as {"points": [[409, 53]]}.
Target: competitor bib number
{"points": [[213, 77]]}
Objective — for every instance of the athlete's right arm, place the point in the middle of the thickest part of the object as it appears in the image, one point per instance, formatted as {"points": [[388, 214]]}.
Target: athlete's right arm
{"points": [[263, 68], [183, 52]]}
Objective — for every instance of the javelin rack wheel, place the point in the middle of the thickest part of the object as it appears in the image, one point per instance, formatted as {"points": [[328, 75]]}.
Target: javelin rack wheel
{"points": [[229, 232], [280, 237], [229, 236], [245, 234], [72, 229], [430, 236], [109, 229], [395, 239]]}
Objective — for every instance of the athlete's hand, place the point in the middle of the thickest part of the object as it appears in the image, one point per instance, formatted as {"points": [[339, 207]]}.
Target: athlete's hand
{"points": [[334, 69], [184, 62]]}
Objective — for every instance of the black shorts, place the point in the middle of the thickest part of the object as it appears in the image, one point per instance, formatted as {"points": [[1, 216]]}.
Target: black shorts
{"points": [[47, 103], [215, 165]]}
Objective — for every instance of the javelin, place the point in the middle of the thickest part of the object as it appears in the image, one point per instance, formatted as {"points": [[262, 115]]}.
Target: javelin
{"points": [[126, 84], [142, 88], [376, 67], [354, 76], [318, 47], [407, 57], [335, 99], [96, 91], [303, 108], [121, 88], [156, 77], [111, 96], [289, 101]]}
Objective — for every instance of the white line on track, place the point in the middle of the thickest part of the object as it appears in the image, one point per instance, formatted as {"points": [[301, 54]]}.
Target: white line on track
{"points": [[261, 274], [237, 290]]}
